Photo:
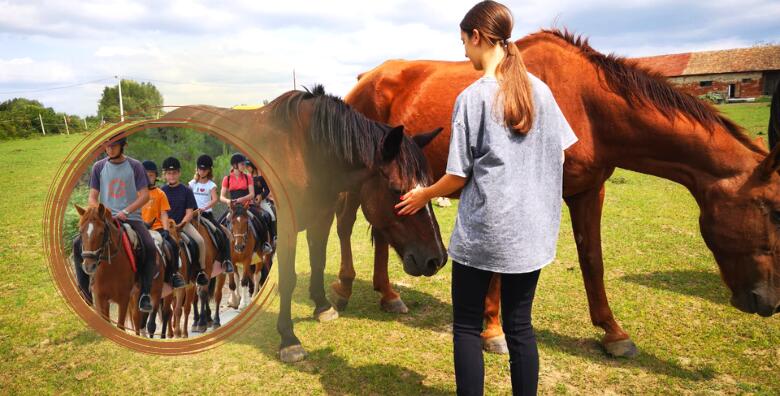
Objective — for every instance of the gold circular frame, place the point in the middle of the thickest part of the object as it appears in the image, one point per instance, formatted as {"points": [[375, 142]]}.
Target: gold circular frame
{"points": [[65, 179]]}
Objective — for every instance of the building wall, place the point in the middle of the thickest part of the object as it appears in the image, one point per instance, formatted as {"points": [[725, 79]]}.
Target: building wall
{"points": [[747, 85]]}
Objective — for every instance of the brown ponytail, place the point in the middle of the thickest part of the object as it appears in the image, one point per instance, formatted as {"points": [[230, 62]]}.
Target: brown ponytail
{"points": [[494, 22]]}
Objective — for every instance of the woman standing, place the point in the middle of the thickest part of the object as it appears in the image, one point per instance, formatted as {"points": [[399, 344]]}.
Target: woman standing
{"points": [[506, 152]]}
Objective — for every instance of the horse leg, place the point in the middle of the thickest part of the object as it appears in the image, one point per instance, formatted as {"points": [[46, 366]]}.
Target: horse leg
{"points": [[290, 349], [151, 321], [120, 322], [346, 214], [209, 296], [234, 301], [218, 300], [167, 312], [391, 300], [203, 297], [189, 302], [195, 312], [493, 339], [317, 237], [585, 209], [177, 310]]}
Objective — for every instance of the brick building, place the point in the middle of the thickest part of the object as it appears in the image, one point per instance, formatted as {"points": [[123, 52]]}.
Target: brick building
{"points": [[734, 73]]}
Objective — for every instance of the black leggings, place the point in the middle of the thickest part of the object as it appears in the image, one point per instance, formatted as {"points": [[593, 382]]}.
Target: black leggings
{"points": [[173, 265], [469, 289]]}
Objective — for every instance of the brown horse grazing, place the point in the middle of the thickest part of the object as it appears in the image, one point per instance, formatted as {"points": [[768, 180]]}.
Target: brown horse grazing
{"points": [[627, 117], [213, 290], [320, 147], [242, 250], [107, 262]]}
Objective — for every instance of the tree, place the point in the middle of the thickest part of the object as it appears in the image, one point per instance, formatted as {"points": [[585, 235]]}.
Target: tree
{"points": [[138, 100], [19, 119]]}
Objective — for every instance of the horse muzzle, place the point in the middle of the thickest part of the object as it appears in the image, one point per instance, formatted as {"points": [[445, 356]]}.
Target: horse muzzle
{"points": [[414, 265], [89, 265], [762, 301]]}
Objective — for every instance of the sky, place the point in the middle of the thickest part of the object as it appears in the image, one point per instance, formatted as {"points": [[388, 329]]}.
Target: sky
{"points": [[241, 52]]}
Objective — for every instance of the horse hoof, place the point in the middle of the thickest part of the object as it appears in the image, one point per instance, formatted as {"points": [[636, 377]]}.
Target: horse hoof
{"points": [[623, 348], [200, 328], [340, 302], [292, 354], [327, 315], [394, 306], [216, 325], [495, 345]]}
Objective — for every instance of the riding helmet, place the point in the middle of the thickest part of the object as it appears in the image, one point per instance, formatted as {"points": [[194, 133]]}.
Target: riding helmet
{"points": [[237, 158], [171, 163], [205, 162], [150, 166]]}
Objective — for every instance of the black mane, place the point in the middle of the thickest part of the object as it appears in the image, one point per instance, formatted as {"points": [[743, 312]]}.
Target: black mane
{"points": [[639, 84], [348, 135]]}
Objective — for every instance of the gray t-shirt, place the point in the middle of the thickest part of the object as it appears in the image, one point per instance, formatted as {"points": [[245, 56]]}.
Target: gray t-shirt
{"points": [[510, 208], [119, 184]]}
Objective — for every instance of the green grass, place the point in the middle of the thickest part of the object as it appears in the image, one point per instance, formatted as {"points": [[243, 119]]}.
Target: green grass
{"points": [[662, 282], [754, 117]]}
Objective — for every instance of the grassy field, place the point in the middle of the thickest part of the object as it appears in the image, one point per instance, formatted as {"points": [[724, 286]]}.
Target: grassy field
{"points": [[662, 281]]}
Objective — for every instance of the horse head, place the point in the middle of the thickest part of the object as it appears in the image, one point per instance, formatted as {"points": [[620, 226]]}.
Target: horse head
{"points": [[416, 238], [95, 230], [239, 226]]}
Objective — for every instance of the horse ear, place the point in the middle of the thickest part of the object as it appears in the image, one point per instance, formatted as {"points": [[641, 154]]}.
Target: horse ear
{"points": [[246, 204], [391, 144], [770, 164], [423, 139], [80, 210]]}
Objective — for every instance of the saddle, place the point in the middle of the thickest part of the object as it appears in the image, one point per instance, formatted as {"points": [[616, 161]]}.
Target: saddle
{"points": [[211, 230], [132, 245]]}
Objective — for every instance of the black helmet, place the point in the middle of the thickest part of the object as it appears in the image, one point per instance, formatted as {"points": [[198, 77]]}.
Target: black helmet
{"points": [[121, 141], [150, 166], [171, 163], [250, 164], [205, 162], [237, 158]]}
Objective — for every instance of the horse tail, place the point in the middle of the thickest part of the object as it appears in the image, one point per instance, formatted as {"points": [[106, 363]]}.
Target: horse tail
{"points": [[773, 130]]}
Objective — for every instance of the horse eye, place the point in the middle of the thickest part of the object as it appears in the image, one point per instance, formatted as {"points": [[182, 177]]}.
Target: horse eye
{"points": [[776, 216]]}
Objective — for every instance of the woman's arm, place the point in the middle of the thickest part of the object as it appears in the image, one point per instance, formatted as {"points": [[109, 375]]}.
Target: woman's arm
{"points": [[414, 200], [213, 201], [223, 195]]}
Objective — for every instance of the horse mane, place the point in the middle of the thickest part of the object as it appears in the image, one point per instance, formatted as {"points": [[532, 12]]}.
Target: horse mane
{"points": [[239, 210], [639, 84], [346, 134]]}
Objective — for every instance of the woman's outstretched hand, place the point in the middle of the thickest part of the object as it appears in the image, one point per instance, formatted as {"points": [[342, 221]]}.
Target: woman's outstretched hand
{"points": [[413, 201]]}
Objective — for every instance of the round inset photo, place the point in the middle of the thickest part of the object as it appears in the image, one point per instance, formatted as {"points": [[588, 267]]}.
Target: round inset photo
{"points": [[169, 232]]}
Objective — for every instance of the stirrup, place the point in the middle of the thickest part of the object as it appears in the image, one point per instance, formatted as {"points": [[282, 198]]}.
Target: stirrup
{"points": [[201, 279]]}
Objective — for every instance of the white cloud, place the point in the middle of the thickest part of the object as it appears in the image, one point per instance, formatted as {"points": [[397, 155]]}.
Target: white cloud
{"points": [[244, 51]]}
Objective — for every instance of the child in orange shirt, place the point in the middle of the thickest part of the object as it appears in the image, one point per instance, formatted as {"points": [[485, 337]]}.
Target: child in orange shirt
{"points": [[155, 215]]}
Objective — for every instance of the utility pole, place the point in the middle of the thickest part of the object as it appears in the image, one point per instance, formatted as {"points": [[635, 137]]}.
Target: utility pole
{"points": [[67, 130], [121, 106], [42, 128], [85, 124], [295, 86]]}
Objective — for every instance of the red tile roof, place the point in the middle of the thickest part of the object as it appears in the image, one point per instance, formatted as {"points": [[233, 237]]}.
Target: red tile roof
{"points": [[759, 58]]}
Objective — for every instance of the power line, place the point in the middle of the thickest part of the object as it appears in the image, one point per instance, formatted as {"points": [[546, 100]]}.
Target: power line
{"points": [[55, 88]]}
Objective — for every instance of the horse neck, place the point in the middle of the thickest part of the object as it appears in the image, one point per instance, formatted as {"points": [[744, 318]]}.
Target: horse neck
{"points": [[688, 152]]}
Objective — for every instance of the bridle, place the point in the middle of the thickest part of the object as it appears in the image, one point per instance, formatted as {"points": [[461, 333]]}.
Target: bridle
{"points": [[97, 254]]}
